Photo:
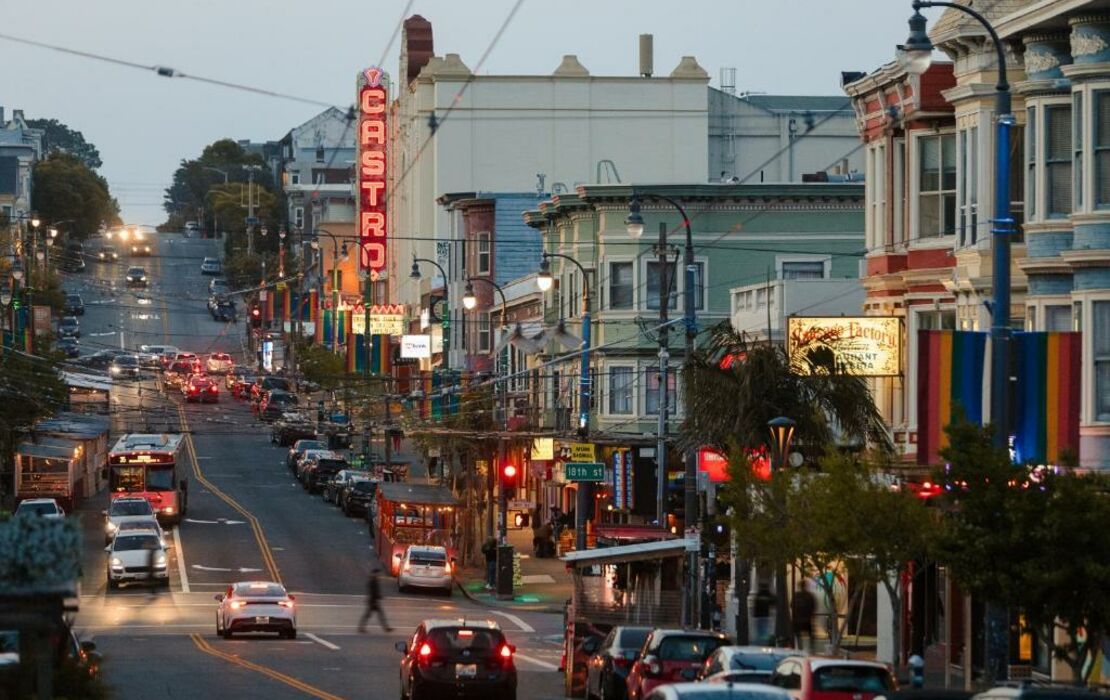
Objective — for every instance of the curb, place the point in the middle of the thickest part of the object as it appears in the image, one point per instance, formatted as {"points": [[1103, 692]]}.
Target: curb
{"points": [[526, 607]]}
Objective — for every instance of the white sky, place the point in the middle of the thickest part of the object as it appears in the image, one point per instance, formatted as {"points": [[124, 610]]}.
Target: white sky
{"points": [[144, 124]]}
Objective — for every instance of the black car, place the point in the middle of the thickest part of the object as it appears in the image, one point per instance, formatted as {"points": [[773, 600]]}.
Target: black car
{"points": [[299, 448], [357, 496], [74, 306], [125, 366], [224, 312], [136, 277], [102, 359], [456, 659], [320, 470], [277, 402], [68, 327], [611, 659], [68, 347]]}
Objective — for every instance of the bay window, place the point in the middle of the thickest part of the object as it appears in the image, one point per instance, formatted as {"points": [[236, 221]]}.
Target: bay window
{"points": [[936, 202], [620, 285], [1057, 160], [969, 185], [1101, 143], [621, 380]]}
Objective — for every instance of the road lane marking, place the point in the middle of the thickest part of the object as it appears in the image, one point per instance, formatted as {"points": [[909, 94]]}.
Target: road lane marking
{"points": [[542, 664], [322, 642], [180, 553], [524, 626], [259, 536], [300, 685]]}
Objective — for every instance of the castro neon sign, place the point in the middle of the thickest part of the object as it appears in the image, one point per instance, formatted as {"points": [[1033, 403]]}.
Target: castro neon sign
{"points": [[372, 106]]}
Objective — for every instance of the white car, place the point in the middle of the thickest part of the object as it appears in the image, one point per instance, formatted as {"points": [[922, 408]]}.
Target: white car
{"points": [[256, 606], [137, 555], [210, 266], [150, 523], [122, 510], [425, 567], [40, 507], [219, 363]]}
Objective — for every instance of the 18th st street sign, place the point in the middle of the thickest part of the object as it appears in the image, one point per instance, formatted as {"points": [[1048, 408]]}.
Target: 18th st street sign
{"points": [[585, 471]]}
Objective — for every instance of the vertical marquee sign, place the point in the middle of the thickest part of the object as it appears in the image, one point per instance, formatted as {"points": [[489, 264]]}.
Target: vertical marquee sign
{"points": [[372, 106]]}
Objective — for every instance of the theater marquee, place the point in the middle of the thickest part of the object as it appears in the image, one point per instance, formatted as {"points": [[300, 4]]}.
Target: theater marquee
{"points": [[863, 346], [372, 109]]}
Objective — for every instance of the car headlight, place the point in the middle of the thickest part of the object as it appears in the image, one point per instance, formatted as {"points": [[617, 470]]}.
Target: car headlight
{"points": [[111, 527], [117, 562], [115, 370], [160, 561], [168, 510]]}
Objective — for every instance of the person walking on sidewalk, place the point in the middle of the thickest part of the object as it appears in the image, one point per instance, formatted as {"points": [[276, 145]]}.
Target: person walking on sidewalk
{"points": [[373, 602], [489, 549], [802, 607]]}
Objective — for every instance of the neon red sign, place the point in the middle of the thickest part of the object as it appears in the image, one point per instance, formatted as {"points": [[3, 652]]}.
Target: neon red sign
{"points": [[372, 106]]}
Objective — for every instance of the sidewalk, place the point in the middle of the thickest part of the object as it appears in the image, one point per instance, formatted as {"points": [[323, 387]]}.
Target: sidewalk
{"points": [[546, 583]]}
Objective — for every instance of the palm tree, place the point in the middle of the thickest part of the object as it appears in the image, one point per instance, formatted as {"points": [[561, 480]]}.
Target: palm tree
{"points": [[733, 387]]}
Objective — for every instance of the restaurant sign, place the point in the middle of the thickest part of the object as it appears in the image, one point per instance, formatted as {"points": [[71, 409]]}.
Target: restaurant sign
{"points": [[861, 346]]}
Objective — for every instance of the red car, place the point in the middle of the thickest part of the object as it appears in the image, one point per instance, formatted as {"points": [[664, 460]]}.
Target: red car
{"points": [[200, 388], [671, 656], [817, 678]]}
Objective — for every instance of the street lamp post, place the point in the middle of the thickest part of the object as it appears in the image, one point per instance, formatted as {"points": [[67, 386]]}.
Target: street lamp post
{"points": [[336, 255], [916, 56], [782, 435], [445, 322], [585, 493], [635, 225]]}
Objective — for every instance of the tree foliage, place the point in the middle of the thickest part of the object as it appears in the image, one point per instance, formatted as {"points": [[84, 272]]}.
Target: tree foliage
{"points": [[320, 365], [1031, 539], [729, 406], [59, 138], [65, 189]]}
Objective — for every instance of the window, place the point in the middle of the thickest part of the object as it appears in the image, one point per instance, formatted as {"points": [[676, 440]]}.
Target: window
{"points": [[294, 178], [483, 253], [298, 217], [803, 270], [620, 285], [1077, 149], [651, 392], [898, 195], [1101, 139], [936, 320], [1031, 161], [1100, 326], [319, 154], [969, 186], [1057, 317], [876, 195], [483, 332], [653, 282], [936, 186], [620, 390], [1057, 160]]}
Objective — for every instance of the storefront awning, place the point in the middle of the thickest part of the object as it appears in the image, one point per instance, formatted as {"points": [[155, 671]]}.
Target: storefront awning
{"points": [[626, 553]]}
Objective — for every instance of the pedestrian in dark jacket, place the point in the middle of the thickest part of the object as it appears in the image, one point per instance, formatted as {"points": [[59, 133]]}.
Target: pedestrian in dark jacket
{"points": [[489, 549], [373, 602], [802, 607]]}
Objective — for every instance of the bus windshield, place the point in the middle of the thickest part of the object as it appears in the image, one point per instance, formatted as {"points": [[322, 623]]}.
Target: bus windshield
{"points": [[159, 479]]}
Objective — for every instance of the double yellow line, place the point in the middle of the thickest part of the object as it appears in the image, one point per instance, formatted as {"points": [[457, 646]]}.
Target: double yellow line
{"points": [[250, 665], [259, 536]]}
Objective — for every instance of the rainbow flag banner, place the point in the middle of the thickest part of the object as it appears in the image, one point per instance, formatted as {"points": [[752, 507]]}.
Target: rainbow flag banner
{"points": [[950, 367], [1046, 415]]}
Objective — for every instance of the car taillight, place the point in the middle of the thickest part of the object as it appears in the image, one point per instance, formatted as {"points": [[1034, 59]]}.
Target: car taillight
{"points": [[506, 652], [285, 603], [406, 569], [213, 389], [621, 662], [447, 568], [425, 651], [168, 510], [236, 604]]}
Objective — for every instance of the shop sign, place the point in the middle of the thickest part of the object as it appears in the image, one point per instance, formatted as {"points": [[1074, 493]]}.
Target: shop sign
{"points": [[622, 480], [516, 504], [543, 449], [861, 346], [713, 464], [373, 103], [385, 319], [40, 319], [585, 471], [416, 347], [582, 452]]}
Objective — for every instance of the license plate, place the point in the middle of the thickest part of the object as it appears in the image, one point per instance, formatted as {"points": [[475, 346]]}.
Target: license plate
{"points": [[466, 670], [262, 620]]}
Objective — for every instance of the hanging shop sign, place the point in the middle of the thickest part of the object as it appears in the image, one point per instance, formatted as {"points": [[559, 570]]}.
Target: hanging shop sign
{"points": [[862, 346], [582, 452], [416, 347], [543, 449], [621, 480], [373, 104]]}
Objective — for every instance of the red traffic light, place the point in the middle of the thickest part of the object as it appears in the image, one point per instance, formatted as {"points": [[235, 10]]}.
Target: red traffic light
{"points": [[508, 472], [256, 311]]}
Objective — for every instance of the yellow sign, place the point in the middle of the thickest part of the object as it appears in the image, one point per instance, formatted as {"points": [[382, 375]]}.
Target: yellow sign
{"points": [[380, 324], [862, 346], [543, 449], [582, 452]]}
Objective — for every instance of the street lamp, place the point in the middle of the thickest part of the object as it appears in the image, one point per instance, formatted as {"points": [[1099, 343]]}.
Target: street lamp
{"points": [[35, 221], [469, 300], [337, 254], [916, 56], [585, 490], [782, 435]]}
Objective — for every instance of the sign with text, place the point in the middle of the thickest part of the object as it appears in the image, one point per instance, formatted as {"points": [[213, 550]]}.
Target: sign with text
{"points": [[373, 105], [582, 452], [861, 346], [416, 347], [543, 449], [385, 319], [585, 471]]}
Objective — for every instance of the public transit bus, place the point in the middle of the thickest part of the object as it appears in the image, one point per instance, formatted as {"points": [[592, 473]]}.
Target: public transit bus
{"points": [[151, 466]]}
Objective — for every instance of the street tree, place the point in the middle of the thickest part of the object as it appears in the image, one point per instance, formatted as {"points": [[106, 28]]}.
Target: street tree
{"points": [[187, 197], [59, 138], [65, 189]]}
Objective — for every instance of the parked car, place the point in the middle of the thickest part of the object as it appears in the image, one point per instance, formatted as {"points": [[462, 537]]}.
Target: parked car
{"points": [[308, 460], [137, 555], [289, 430], [70, 347], [136, 277], [724, 691], [265, 382], [256, 606], [671, 656], [125, 366], [743, 664], [191, 227], [334, 486], [69, 327], [609, 663], [357, 495], [200, 388], [275, 403], [219, 363], [74, 305], [321, 468], [210, 266], [299, 448], [40, 508], [817, 678], [453, 657]]}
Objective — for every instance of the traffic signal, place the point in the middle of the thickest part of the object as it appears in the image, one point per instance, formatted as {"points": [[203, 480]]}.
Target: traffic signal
{"points": [[256, 316], [508, 480]]}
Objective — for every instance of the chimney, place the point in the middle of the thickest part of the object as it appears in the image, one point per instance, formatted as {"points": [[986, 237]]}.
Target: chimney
{"points": [[647, 55], [416, 46]]}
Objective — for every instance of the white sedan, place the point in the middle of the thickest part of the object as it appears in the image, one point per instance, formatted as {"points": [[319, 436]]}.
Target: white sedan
{"points": [[137, 555], [40, 507], [256, 606], [219, 363]]}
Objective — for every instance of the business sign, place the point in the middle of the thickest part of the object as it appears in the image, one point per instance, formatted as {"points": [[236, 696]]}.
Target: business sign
{"points": [[862, 346], [373, 103], [385, 319], [714, 465], [582, 452], [622, 480], [585, 471], [268, 355], [543, 449], [416, 347]]}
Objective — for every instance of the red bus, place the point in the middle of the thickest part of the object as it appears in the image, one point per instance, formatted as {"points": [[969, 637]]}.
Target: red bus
{"points": [[151, 466]]}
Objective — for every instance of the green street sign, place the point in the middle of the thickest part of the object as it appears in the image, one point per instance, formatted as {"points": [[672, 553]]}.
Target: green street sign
{"points": [[585, 471]]}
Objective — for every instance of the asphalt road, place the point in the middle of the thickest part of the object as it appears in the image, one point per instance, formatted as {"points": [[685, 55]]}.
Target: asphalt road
{"points": [[248, 519]]}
